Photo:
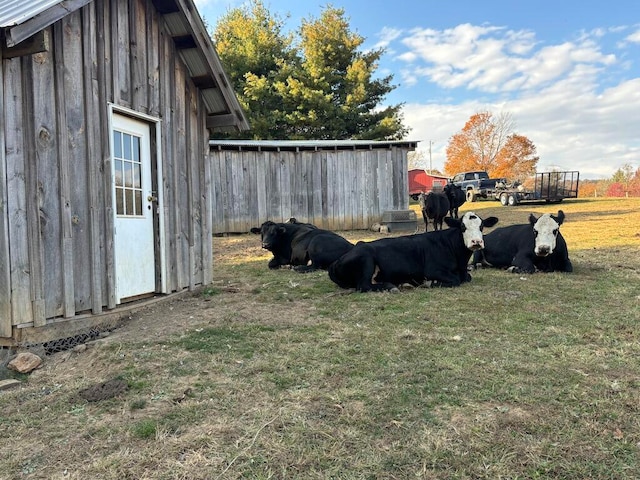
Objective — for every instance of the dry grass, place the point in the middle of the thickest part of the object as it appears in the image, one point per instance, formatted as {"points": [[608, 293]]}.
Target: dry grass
{"points": [[280, 375]]}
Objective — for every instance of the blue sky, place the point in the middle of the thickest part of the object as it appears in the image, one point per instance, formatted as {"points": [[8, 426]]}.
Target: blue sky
{"points": [[567, 72]]}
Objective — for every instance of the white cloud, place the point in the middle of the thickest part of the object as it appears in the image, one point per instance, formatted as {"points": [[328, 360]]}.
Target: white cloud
{"points": [[556, 93], [493, 59], [634, 37], [387, 35]]}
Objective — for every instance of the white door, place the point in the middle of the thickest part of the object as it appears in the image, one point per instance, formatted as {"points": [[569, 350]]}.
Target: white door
{"points": [[133, 208]]}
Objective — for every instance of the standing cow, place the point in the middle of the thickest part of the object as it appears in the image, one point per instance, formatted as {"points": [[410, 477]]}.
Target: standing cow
{"points": [[434, 206], [302, 245], [439, 257], [538, 245], [456, 197]]}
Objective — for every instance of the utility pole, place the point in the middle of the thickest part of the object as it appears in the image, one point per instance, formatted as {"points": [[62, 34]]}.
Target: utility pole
{"points": [[430, 166]]}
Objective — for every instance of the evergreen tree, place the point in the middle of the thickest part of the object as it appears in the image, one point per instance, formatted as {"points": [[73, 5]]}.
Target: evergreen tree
{"points": [[316, 84]]}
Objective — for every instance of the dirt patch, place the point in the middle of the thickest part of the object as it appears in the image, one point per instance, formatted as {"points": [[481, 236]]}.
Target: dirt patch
{"points": [[104, 390], [174, 317]]}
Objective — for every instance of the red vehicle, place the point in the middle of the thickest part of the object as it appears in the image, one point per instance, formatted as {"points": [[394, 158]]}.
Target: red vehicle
{"points": [[421, 181]]}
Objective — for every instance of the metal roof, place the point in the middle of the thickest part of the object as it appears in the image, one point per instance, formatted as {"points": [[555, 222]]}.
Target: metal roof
{"points": [[23, 18], [14, 12], [309, 144]]}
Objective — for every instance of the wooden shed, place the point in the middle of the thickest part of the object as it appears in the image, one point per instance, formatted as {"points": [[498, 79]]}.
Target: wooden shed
{"points": [[337, 185], [107, 108]]}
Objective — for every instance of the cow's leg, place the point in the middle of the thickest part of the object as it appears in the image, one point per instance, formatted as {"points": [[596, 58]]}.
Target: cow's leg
{"points": [[276, 262], [309, 267], [426, 221], [366, 272], [447, 282], [378, 283], [522, 263], [322, 252]]}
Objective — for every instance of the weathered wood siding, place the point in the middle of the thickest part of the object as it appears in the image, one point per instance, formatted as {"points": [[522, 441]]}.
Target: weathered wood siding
{"points": [[56, 218], [336, 189]]}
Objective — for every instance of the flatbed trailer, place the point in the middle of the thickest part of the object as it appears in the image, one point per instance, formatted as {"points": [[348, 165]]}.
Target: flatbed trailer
{"points": [[549, 187]]}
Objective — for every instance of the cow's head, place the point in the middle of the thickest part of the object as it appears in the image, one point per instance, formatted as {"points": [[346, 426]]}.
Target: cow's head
{"points": [[545, 231], [269, 232], [471, 226], [450, 188], [422, 200]]}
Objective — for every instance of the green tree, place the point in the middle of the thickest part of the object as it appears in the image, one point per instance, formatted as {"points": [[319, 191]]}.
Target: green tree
{"points": [[315, 84], [623, 175], [256, 55]]}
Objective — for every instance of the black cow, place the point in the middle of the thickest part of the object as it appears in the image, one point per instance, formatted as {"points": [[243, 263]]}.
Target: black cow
{"points": [[434, 206], [295, 221], [538, 245], [301, 245], [439, 257], [456, 197]]}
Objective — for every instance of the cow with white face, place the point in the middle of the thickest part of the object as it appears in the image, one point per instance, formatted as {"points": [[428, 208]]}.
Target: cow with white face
{"points": [[472, 226], [437, 258], [536, 246], [545, 231]]}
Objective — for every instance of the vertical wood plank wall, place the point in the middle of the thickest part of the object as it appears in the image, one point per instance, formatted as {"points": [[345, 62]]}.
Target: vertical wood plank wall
{"points": [[56, 217], [345, 189]]}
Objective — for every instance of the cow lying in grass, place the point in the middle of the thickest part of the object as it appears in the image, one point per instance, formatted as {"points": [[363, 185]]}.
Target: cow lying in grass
{"points": [[439, 257], [301, 245], [538, 245]]}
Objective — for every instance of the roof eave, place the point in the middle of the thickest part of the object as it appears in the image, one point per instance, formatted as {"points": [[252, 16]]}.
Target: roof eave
{"points": [[192, 41], [20, 31], [234, 115]]}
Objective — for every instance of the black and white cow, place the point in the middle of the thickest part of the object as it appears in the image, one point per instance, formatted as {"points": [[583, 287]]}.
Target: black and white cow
{"points": [[440, 257], [456, 197], [435, 206], [301, 245], [538, 245]]}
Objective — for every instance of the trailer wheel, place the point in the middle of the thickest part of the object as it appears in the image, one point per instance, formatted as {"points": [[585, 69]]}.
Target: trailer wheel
{"points": [[512, 200], [471, 196], [503, 199]]}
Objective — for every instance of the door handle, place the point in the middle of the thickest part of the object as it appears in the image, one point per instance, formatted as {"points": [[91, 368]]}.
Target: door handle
{"points": [[152, 198]]}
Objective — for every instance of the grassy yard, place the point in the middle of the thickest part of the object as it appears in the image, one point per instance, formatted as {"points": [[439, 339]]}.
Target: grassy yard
{"points": [[274, 374]]}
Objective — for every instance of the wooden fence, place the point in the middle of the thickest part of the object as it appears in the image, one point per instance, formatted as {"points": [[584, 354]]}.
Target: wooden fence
{"points": [[335, 185]]}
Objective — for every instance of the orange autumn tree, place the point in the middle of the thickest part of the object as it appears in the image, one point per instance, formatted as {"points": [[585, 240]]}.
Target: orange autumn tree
{"points": [[488, 143], [517, 160]]}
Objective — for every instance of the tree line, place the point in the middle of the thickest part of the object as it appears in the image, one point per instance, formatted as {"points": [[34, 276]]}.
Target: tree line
{"points": [[625, 182]]}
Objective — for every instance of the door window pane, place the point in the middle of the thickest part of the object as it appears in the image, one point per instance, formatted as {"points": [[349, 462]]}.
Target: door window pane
{"points": [[117, 144], [128, 174], [119, 176], [137, 202], [136, 149], [137, 176], [128, 200]]}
